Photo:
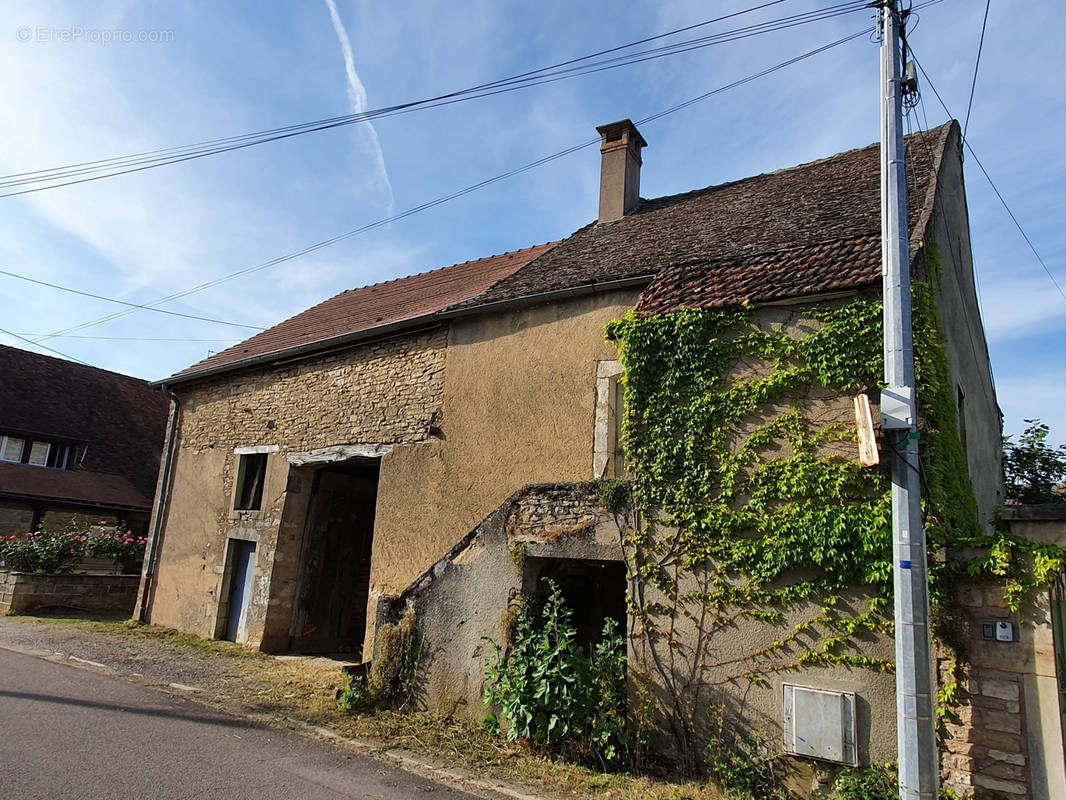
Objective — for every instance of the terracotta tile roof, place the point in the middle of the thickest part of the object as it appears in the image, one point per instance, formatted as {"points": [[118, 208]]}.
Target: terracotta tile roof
{"points": [[121, 419], [72, 486], [809, 229], [376, 306]]}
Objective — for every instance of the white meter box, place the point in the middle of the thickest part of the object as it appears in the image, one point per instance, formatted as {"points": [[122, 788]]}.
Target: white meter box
{"points": [[820, 724]]}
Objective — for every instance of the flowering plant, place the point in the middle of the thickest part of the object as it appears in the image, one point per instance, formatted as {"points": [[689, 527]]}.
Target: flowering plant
{"points": [[62, 550], [42, 551], [115, 544]]}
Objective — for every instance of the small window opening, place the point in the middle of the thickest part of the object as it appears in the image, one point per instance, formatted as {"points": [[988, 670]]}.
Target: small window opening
{"points": [[608, 457], [11, 448], [618, 455], [594, 591], [59, 456], [250, 477], [39, 454]]}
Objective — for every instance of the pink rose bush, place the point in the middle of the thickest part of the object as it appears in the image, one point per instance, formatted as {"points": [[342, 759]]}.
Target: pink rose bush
{"points": [[63, 550]]}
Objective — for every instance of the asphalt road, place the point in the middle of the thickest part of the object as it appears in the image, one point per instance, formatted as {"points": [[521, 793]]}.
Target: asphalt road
{"points": [[68, 733]]}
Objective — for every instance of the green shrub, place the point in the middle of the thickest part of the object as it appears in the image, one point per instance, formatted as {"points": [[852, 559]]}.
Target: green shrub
{"points": [[555, 696], [356, 695], [60, 550], [871, 783], [42, 551]]}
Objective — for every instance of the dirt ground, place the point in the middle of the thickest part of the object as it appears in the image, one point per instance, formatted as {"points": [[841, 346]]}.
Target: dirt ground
{"points": [[300, 693]]}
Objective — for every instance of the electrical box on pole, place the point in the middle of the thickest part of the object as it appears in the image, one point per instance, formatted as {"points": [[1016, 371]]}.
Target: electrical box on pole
{"points": [[918, 768]]}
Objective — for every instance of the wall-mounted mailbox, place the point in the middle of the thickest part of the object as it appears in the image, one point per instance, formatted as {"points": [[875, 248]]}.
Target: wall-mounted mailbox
{"points": [[820, 724], [998, 630]]}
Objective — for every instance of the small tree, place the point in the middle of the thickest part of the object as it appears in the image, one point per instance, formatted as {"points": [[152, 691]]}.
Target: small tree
{"points": [[1034, 468]]}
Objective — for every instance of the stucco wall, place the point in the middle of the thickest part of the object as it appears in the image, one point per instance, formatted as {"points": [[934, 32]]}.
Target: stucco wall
{"points": [[463, 599], [956, 297], [385, 392], [519, 404]]}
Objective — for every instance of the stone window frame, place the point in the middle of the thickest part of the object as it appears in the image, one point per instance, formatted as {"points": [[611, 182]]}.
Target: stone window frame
{"points": [[239, 452], [607, 418]]}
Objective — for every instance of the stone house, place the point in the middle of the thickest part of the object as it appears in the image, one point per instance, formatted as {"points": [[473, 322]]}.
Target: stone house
{"points": [[388, 449], [75, 440]]}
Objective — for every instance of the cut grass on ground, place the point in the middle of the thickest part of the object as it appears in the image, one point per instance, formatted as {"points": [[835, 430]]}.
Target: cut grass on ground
{"points": [[305, 689]]}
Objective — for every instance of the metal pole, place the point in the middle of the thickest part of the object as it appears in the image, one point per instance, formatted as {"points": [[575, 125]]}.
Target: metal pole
{"points": [[918, 768]]}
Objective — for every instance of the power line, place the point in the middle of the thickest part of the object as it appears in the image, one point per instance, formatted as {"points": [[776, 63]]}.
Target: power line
{"points": [[131, 338], [457, 194], [124, 303], [991, 183], [585, 65], [43, 347], [977, 64]]}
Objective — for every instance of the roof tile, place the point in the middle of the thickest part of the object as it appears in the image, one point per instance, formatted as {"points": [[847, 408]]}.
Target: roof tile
{"points": [[374, 306]]}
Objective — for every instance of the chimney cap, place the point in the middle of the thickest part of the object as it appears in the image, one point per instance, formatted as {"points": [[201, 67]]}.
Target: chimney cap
{"points": [[622, 131]]}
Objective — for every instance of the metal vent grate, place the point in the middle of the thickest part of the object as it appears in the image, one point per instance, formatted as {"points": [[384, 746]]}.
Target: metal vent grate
{"points": [[820, 724]]}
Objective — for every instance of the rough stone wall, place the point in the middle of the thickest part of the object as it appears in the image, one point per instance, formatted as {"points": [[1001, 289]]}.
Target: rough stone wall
{"points": [[14, 519], [381, 393], [552, 512], [26, 591], [58, 520], [1004, 738], [984, 742]]}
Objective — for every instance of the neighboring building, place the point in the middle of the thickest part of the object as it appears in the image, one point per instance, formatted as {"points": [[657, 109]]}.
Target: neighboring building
{"points": [[75, 440], [372, 451]]}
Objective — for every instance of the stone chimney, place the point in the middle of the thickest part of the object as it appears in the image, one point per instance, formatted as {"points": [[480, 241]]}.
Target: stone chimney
{"points": [[619, 169]]}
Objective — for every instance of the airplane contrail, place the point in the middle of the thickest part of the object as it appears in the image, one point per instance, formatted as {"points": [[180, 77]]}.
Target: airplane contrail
{"points": [[357, 98]]}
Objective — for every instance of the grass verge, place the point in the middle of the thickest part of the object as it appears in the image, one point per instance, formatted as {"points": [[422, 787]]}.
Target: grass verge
{"points": [[237, 678]]}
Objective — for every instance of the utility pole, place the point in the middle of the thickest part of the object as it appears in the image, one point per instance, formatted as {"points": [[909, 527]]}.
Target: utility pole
{"points": [[918, 768]]}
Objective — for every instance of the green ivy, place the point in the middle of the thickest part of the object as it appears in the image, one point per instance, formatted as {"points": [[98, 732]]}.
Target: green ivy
{"points": [[731, 462]]}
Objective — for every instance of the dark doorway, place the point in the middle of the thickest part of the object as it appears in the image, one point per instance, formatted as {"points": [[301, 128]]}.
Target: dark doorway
{"points": [[330, 612], [595, 591], [241, 567]]}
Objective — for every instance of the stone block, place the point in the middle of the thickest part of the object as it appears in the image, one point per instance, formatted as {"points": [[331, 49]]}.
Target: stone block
{"points": [[999, 785], [1010, 758], [1002, 690], [957, 761], [1000, 769], [1006, 742], [999, 721]]}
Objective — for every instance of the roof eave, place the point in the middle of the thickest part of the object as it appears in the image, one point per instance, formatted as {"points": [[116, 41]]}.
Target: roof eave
{"points": [[303, 350], [72, 501]]}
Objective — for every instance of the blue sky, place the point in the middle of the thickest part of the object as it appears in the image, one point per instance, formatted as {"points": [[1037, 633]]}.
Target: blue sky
{"points": [[220, 69]]}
